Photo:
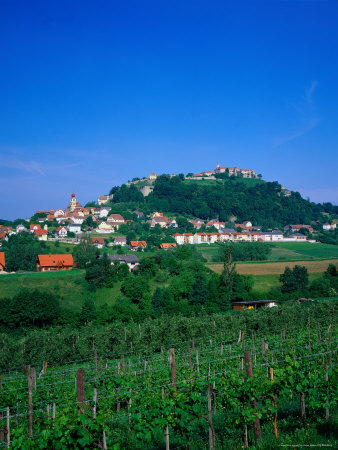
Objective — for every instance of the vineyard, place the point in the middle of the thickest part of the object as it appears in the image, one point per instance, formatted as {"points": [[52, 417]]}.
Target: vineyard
{"points": [[228, 391]]}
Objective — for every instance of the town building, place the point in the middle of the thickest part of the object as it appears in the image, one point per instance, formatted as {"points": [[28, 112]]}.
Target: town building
{"points": [[135, 245], [41, 234], [152, 176], [61, 231], [74, 205], [132, 261], [120, 240], [115, 220], [48, 263], [104, 227]]}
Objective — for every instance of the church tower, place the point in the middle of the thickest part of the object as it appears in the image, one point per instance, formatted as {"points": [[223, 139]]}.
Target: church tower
{"points": [[72, 203]]}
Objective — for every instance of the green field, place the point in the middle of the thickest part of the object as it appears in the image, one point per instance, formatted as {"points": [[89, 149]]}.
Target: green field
{"points": [[70, 286], [263, 283], [292, 251], [283, 251]]}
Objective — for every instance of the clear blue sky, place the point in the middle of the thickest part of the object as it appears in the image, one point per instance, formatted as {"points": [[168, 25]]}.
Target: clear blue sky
{"points": [[95, 93]]}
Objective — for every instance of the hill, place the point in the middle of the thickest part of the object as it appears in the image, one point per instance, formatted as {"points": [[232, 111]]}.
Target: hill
{"points": [[261, 202]]}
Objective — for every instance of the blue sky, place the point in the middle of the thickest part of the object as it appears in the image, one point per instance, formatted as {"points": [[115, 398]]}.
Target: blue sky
{"points": [[95, 93]]}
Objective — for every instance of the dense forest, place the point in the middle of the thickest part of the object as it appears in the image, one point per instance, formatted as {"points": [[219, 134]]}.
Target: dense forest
{"points": [[263, 204]]}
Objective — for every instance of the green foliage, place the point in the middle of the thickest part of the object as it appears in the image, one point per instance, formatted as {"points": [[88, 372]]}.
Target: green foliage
{"points": [[21, 252], [99, 272], [88, 311], [29, 309], [296, 279], [247, 251], [127, 194], [84, 253], [199, 293], [135, 288]]}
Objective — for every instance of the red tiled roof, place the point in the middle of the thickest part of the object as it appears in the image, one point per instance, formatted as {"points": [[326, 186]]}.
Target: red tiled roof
{"points": [[98, 240], [2, 259], [168, 245], [31, 227], [138, 243], [116, 217], [55, 260], [40, 232], [3, 235]]}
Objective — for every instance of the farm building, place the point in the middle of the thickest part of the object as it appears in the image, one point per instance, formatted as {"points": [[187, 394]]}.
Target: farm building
{"points": [[48, 263], [256, 304]]}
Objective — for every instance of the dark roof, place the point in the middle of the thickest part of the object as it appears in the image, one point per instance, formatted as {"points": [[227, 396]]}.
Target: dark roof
{"points": [[124, 258]]}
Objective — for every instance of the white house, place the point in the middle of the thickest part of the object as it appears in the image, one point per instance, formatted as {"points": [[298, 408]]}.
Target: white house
{"points": [[74, 228], [188, 238], [115, 220], [59, 213], [104, 212], [21, 228], [271, 236], [61, 231], [179, 238], [105, 227], [326, 226], [197, 238]]}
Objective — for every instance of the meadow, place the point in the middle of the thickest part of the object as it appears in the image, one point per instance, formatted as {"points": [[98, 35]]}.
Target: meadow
{"points": [[281, 251]]}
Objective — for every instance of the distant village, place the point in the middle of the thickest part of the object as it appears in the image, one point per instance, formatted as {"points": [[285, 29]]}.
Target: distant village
{"points": [[72, 225]]}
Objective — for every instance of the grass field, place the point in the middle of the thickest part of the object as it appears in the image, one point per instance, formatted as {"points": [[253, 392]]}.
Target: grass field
{"points": [[263, 283], [292, 251], [269, 268], [283, 251], [70, 286]]}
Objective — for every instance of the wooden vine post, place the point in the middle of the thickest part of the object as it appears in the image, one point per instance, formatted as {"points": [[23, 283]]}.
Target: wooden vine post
{"points": [[80, 390], [173, 368], [30, 404], [248, 368], [274, 405]]}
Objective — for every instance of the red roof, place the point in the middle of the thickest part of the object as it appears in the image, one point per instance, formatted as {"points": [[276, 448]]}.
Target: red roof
{"points": [[116, 217], [55, 260], [60, 228], [31, 227], [138, 243], [165, 245], [98, 240], [2, 259], [40, 232], [3, 235]]}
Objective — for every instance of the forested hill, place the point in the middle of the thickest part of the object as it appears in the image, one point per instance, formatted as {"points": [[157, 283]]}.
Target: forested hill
{"points": [[260, 202]]}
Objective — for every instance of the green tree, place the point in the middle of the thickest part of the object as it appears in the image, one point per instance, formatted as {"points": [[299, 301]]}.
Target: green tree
{"points": [[32, 308], [88, 311], [294, 280], [21, 252], [98, 272], [84, 252], [136, 288], [199, 293]]}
